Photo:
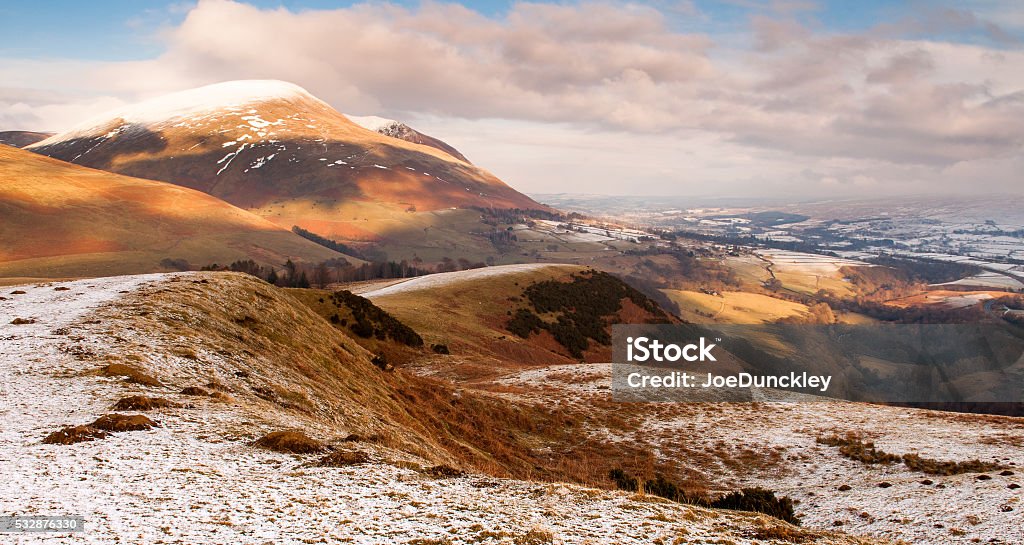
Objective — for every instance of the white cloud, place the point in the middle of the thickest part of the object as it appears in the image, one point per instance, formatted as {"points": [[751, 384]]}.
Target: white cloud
{"points": [[612, 91]]}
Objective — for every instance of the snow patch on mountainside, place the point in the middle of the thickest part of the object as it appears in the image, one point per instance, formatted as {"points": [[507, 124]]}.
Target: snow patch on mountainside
{"points": [[229, 95]]}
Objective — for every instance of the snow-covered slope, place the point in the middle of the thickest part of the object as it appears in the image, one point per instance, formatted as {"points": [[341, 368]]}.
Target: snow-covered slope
{"points": [[210, 99], [196, 479], [774, 445]]}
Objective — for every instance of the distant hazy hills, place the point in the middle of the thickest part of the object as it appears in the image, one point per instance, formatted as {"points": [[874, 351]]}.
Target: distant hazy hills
{"points": [[62, 220]]}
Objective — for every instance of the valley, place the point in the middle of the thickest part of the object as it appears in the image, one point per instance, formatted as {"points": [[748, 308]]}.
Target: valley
{"points": [[983, 232], [235, 314]]}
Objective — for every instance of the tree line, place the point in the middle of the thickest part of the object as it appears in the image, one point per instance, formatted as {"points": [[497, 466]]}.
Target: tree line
{"points": [[340, 270]]}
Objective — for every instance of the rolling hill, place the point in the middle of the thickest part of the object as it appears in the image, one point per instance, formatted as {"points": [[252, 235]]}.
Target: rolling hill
{"points": [[274, 149], [64, 220], [20, 139], [473, 313]]}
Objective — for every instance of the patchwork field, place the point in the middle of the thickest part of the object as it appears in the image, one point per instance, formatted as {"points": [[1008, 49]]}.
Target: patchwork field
{"points": [[947, 298], [987, 279], [733, 307], [809, 273]]}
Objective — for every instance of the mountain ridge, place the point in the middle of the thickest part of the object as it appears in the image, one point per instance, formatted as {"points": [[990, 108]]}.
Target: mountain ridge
{"points": [[260, 143], [275, 150], [401, 131]]}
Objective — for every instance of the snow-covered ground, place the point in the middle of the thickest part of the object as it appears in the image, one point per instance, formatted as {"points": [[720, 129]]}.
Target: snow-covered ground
{"points": [[195, 479], [779, 440], [988, 279], [809, 263], [431, 281]]}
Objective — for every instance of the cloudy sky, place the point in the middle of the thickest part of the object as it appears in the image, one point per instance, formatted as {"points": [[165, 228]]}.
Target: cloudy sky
{"points": [[669, 97]]}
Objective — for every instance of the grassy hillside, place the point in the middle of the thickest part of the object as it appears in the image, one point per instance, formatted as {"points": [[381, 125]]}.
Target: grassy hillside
{"points": [[474, 314], [63, 220], [468, 312], [273, 356], [733, 307], [258, 414]]}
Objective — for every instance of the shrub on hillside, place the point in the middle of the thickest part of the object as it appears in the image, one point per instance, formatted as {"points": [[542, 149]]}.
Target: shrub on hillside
{"points": [[583, 308], [760, 500], [371, 320], [440, 348], [749, 499], [74, 434], [294, 442], [143, 403]]}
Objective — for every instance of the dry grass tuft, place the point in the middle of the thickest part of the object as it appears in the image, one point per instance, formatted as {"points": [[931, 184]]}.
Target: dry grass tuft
{"points": [[785, 533], [124, 422], [344, 458], [443, 472], [854, 447], [74, 434], [294, 442], [130, 373], [199, 391], [143, 403], [536, 536]]}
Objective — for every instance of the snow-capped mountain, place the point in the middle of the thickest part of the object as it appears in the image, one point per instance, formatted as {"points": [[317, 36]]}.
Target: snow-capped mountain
{"points": [[397, 129], [275, 149]]}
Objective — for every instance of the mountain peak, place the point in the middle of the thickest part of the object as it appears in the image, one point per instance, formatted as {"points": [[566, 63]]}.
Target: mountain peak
{"points": [[401, 131], [227, 95], [263, 144], [375, 123]]}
